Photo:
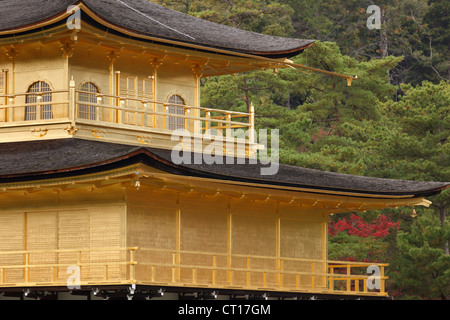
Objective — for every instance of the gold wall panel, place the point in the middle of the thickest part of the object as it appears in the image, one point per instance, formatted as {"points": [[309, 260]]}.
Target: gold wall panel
{"points": [[12, 238], [40, 238]]}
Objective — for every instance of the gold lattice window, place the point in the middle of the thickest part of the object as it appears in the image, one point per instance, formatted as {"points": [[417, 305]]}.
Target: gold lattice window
{"points": [[38, 90], [87, 108], [176, 107]]}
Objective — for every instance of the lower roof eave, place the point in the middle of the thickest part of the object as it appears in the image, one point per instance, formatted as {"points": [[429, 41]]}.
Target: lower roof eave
{"points": [[335, 202], [47, 161]]}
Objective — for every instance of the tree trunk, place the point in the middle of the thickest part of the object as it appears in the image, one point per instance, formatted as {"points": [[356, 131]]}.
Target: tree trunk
{"points": [[336, 113], [442, 217], [383, 37]]}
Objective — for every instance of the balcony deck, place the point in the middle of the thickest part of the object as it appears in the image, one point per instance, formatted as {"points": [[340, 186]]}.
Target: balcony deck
{"points": [[174, 268], [28, 116]]}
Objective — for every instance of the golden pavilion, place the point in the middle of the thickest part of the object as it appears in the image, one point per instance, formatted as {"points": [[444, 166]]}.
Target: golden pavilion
{"points": [[92, 202]]}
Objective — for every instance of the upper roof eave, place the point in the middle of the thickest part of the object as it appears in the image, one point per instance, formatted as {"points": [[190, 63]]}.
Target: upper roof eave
{"points": [[123, 17]]}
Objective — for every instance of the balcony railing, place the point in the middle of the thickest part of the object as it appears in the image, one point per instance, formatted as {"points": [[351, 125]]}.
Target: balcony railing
{"points": [[119, 112], [146, 266]]}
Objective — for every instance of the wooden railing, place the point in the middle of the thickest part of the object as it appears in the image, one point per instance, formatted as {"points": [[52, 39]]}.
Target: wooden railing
{"points": [[148, 266], [14, 108], [155, 114], [118, 111], [50, 267]]}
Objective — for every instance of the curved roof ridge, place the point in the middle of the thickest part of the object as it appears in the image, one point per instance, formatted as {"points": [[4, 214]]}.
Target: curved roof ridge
{"points": [[143, 18]]}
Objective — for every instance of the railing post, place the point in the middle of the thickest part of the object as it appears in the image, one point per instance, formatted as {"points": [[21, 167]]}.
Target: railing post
{"points": [[174, 263], [72, 101], [27, 268], [207, 121], [123, 114], [10, 109], [348, 277], [145, 120], [251, 133], [133, 265], [214, 270], [382, 280], [54, 273], [229, 271], [228, 126], [166, 111], [99, 108], [331, 279], [281, 273]]}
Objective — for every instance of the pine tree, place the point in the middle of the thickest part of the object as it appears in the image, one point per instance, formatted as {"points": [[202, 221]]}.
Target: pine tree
{"points": [[423, 268]]}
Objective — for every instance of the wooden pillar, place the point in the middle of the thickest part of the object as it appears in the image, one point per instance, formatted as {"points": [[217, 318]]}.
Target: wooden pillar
{"points": [[197, 70], [251, 134], [229, 244], [155, 63], [178, 239], [72, 102], [11, 52], [8, 111], [112, 56]]}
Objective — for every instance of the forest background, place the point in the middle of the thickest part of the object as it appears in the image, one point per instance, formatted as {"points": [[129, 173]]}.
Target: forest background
{"points": [[393, 122]]}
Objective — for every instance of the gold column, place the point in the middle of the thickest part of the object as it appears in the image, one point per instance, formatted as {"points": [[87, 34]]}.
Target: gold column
{"points": [[112, 56], [197, 69], [11, 52], [155, 63]]}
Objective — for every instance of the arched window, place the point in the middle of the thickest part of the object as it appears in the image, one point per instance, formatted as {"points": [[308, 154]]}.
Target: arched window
{"points": [[89, 96], [176, 123], [31, 111]]}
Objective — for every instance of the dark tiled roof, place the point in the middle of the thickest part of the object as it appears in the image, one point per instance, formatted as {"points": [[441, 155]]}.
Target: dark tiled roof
{"points": [[146, 18], [20, 13], [25, 161]]}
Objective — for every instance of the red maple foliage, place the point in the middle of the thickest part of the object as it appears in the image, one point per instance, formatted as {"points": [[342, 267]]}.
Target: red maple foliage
{"points": [[355, 225]]}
